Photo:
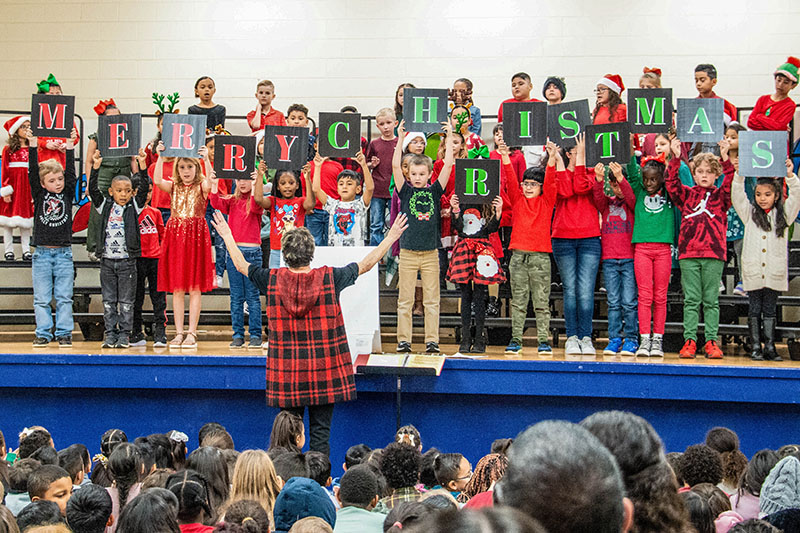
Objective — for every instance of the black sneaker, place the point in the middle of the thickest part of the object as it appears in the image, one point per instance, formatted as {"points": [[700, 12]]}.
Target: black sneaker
{"points": [[27, 256], [432, 347], [159, 338], [138, 339], [403, 347], [236, 343], [65, 342], [493, 307], [254, 344], [123, 341], [40, 342], [110, 341]]}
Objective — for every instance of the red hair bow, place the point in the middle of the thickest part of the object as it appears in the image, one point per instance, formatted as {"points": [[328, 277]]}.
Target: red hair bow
{"points": [[660, 158], [102, 105], [656, 71]]}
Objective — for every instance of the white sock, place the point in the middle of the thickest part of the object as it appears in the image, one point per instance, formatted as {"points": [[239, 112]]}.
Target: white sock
{"points": [[8, 240], [25, 239]]}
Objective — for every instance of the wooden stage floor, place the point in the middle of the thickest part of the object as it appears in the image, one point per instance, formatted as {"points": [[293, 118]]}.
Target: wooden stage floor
{"points": [[734, 356]]}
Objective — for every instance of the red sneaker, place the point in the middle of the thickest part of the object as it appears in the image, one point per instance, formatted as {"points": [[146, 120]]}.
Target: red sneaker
{"points": [[712, 350], [689, 349]]}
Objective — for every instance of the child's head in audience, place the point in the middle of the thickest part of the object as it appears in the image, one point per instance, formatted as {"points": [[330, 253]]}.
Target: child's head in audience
{"points": [[250, 515], [489, 470], [501, 446], [754, 525], [427, 475], [191, 489], [89, 510], [297, 116], [319, 467], [705, 78], [254, 478], [406, 516], [299, 499], [219, 438], [400, 465], [39, 513], [386, 122], [650, 79], [726, 442], [8, 524], [71, 460], [554, 90], [699, 512], [757, 471], [311, 524], [153, 511], [20, 472], [209, 463], [717, 500], [453, 471], [35, 439], [51, 483], [348, 185], [287, 432], [521, 86], [47, 455], [285, 184], [111, 439], [701, 464], [355, 455], [157, 478], [290, 464], [126, 468], [674, 462], [358, 487]]}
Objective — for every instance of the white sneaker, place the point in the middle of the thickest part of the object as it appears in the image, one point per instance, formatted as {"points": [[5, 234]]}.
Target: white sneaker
{"points": [[587, 348], [219, 281], [572, 346], [721, 287], [265, 345], [656, 349], [644, 347]]}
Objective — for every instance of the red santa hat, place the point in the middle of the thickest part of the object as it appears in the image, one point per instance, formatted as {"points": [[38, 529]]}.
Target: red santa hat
{"points": [[410, 136], [613, 82], [13, 124]]}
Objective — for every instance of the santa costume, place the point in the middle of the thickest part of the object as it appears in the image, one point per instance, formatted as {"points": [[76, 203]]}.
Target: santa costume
{"points": [[16, 207]]}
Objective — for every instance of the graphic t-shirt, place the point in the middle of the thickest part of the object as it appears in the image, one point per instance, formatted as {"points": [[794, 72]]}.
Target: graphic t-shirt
{"points": [[115, 234], [285, 213], [421, 206], [347, 223]]}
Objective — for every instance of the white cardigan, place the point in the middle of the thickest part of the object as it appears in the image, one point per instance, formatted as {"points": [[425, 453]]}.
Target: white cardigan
{"points": [[765, 256]]}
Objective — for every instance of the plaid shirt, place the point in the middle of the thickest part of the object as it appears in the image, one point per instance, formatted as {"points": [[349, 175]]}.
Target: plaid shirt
{"points": [[406, 494], [308, 362]]}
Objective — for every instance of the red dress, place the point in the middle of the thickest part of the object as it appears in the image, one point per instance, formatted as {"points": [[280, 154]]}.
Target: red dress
{"points": [[18, 213], [185, 263]]}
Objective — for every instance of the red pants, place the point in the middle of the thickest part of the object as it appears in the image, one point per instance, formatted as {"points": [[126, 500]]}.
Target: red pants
{"points": [[652, 264]]}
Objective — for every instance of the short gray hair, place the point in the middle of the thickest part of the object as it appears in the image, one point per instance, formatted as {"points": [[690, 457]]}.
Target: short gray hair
{"points": [[297, 246]]}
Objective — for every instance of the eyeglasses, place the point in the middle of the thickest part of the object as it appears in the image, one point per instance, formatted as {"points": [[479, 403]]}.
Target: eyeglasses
{"points": [[531, 185], [468, 476], [601, 90]]}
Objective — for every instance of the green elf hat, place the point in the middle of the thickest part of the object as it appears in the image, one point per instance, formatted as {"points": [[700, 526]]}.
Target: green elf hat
{"points": [[789, 69]]}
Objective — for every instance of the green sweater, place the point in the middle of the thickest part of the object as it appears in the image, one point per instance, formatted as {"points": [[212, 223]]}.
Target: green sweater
{"points": [[654, 216]]}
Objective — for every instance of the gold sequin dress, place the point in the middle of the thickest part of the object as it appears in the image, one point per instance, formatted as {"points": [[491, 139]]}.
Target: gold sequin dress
{"points": [[185, 263]]}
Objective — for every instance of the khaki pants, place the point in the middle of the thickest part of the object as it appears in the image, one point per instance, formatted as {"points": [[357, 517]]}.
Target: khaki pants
{"points": [[427, 264], [530, 278]]}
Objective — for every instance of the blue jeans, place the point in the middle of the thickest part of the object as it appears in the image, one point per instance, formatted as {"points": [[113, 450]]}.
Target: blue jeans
{"points": [[622, 298], [220, 253], [243, 290], [578, 260], [274, 259], [53, 277], [317, 224], [377, 219]]}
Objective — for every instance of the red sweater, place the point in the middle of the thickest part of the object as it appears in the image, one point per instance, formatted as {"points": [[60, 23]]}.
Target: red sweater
{"points": [[273, 118], [576, 215], [328, 180], [531, 233], [603, 115], [771, 115], [729, 111], [161, 199], [511, 101], [151, 231], [616, 228], [704, 214], [518, 162], [244, 219]]}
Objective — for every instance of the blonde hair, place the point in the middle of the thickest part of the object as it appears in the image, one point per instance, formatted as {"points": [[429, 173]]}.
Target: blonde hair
{"points": [[52, 528], [254, 478], [199, 177], [311, 524], [653, 77], [711, 160], [265, 83], [49, 166], [385, 112]]}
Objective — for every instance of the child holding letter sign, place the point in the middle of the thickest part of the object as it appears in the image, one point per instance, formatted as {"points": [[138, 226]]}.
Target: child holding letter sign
{"points": [[420, 202], [701, 242], [764, 253], [16, 208]]}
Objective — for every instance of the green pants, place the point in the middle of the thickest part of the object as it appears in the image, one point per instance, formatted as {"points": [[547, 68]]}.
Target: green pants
{"points": [[700, 279], [530, 277]]}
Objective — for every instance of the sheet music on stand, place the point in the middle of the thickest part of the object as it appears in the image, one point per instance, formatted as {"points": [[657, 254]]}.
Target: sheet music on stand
{"points": [[398, 365]]}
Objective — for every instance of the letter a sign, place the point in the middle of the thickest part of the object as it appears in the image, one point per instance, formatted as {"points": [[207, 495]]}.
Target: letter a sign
{"points": [[119, 135], [234, 156], [477, 180], [183, 135], [762, 154], [339, 134], [650, 110], [700, 120], [285, 148], [424, 109], [52, 115]]}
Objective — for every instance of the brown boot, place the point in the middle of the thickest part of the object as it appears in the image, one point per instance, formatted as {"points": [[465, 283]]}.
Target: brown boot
{"points": [[419, 310]]}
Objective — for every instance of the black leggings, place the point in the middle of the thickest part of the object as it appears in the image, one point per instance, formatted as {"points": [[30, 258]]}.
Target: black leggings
{"points": [[477, 294], [762, 301]]}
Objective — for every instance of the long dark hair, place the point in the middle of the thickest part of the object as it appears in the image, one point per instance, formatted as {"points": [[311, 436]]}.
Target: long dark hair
{"points": [[614, 101], [125, 465], [398, 109], [760, 217]]}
